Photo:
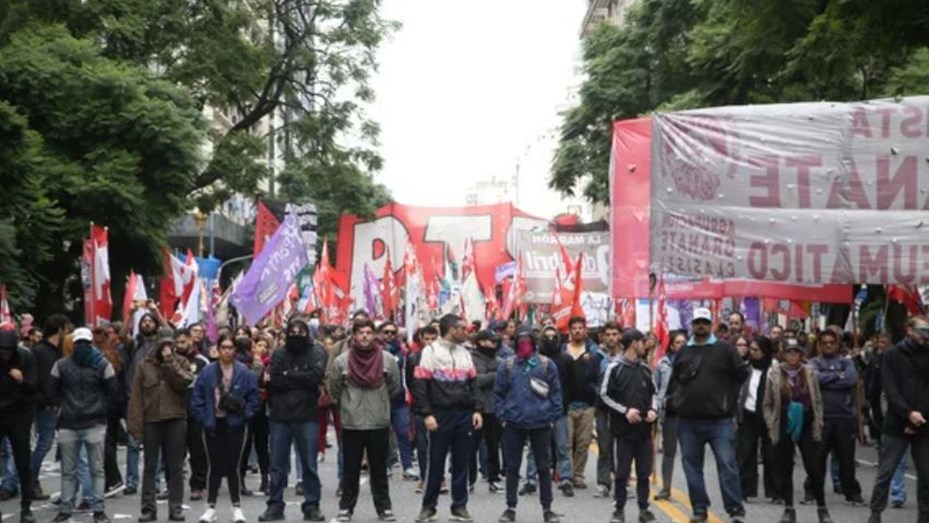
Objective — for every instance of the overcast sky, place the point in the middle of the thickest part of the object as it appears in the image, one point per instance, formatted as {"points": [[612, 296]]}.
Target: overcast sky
{"points": [[466, 89]]}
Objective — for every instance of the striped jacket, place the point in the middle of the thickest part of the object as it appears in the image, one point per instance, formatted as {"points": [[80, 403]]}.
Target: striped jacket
{"points": [[444, 379]]}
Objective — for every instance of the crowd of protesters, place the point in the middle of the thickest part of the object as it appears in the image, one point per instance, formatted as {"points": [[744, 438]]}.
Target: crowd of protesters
{"points": [[460, 396]]}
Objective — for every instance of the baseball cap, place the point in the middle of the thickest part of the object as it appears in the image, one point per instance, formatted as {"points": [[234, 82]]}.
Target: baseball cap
{"points": [[792, 345], [167, 340], [82, 334], [631, 336], [702, 314], [497, 325]]}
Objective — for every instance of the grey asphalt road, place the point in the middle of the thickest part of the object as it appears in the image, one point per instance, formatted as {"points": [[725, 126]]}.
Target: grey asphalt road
{"points": [[486, 507]]}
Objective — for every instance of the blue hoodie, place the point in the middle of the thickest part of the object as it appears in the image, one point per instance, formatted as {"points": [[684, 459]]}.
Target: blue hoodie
{"points": [[244, 386], [837, 378], [516, 403]]}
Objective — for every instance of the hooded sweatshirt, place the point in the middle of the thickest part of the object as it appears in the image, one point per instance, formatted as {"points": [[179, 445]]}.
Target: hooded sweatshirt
{"points": [[297, 371], [84, 387], [16, 398]]}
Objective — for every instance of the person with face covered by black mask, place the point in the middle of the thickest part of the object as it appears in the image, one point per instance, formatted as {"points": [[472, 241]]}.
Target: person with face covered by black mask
{"points": [[550, 346], [484, 356], [297, 371], [17, 408]]}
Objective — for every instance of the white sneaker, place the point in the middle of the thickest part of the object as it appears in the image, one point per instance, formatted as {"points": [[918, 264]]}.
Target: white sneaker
{"points": [[209, 515], [237, 515]]}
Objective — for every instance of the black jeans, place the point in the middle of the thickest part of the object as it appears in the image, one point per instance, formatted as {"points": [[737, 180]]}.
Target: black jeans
{"points": [[668, 450], [225, 450], [893, 449], [354, 445], [811, 452], [839, 438], [751, 432], [604, 446], [110, 466], [490, 432], [17, 427], [196, 455], [625, 451], [170, 438], [514, 439]]}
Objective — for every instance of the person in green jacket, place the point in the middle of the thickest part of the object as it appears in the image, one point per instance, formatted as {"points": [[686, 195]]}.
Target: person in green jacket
{"points": [[362, 383]]}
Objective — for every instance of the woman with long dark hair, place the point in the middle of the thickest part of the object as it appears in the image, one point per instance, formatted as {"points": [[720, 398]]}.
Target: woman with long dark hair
{"points": [[793, 413], [225, 398], [752, 433]]}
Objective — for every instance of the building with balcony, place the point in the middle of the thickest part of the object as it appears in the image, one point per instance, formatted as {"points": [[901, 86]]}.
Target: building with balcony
{"points": [[611, 11]]}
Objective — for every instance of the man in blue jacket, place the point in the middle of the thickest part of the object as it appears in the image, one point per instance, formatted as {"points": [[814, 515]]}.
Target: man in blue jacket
{"points": [[837, 379], [527, 400]]}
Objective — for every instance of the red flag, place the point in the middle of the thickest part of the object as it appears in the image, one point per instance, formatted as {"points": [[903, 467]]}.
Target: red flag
{"points": [[132, 292], [468, 263], [6, 316], [177, 282], [322, 285], [661, 327], [390, 292], [265, 224], [561, 302], [185, 276], [102, 298], [908, 295], [577, 308], [87, 280]]}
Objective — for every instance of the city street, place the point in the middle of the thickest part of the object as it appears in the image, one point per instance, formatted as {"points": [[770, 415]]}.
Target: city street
{"points": [[486, 507]]}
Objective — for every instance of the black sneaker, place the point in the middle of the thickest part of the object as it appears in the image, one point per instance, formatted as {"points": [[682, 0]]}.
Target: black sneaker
{"points": [[344, 515], [789, 515], [808, 499], [113, 490], [550, 517], [26, 517], [62, 518], [508, 516], [38, 495], [527, 489], [663, 495], [100, 517], [427, 515], [823, 514], [177, 515], [567, 489], [875, 517], [699, 518], [603, 491], [646, 516], [461, 515], [313, 514], [131, 491], [162, 496], [494, 487], [148, 516], [386, 515], [618, 516], [271, 515]]}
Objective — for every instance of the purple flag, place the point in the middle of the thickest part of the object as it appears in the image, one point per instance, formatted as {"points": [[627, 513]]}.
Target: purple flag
{"points": [[268, 279], [371, 291]]}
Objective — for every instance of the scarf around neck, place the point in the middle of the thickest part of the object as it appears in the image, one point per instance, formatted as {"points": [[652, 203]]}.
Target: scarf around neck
{"points": [[366, 366]]}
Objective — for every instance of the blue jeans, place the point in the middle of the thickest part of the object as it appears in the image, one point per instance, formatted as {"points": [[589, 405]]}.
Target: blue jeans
{"points": [[562, 456], [10, 481], [898, 483], [133, 450], [71, 443], [46, 421], [694, 434], [400, 419], [305, 437]]}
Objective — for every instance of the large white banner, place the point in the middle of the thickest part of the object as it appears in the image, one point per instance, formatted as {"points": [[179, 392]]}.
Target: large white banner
{"points": [[799, 193]]}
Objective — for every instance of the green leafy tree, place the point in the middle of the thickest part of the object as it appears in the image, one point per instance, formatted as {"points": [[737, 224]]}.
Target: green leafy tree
{"points": [[682, 54], [92, 140]]}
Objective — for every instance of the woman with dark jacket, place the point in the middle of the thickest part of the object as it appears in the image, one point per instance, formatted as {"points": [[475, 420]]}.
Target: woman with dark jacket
{"points": [[793, 414], [750, 417], [224, 400]]}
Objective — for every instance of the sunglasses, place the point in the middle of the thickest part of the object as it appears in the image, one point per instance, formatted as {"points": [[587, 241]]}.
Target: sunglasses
{"points": [[389, 332]]}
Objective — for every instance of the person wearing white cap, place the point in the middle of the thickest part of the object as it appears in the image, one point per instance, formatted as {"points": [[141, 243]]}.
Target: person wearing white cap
{"points": [[83, 387], [704, 390]]}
